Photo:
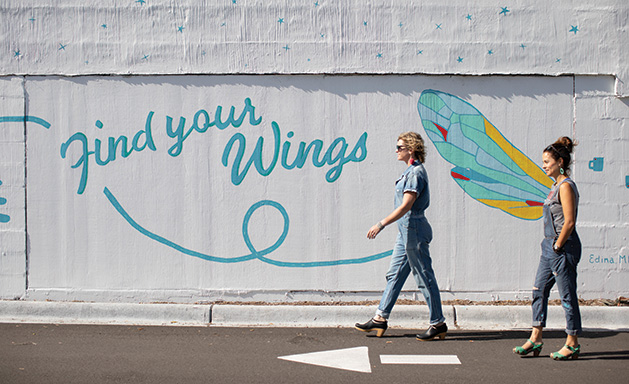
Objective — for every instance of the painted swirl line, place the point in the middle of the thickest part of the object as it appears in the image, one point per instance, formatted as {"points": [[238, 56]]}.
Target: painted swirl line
{"points": [[21, 119], [255, 254]]}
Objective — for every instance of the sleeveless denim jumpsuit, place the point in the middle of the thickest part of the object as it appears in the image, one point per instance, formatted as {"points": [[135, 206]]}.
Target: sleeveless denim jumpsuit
{"points": [[560, 268]]}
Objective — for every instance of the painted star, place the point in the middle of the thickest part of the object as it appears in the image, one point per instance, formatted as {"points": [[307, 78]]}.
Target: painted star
{"points": [[490, 52], [146, 57], [142, 2], [322, 35], [504, 11], [438, 26], [180, 29], [558, 60], [365, 23], [400, 25], [62, 47], [460, 59], [522, 46], [32, 19], [469, 17], [574, 29], [104, 26], [316, 4], [233, 1], [286, 47], [420, 52], [17, 53], [379, 55], [281, 20]]}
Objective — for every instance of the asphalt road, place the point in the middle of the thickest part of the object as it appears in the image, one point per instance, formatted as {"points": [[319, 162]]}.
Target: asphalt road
{"points": [[36, 353]]}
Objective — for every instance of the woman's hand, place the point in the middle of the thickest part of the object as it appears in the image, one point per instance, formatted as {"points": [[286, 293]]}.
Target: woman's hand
{"points": [[407, 202], [373, 231]]}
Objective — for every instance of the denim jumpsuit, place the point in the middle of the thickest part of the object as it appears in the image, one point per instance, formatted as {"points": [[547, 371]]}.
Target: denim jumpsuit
{"points": [[560, 268], [411, 253]]}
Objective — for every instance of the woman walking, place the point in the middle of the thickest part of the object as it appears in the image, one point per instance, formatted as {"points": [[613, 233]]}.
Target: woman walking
{"points": [[561, 252], [410, 253]]}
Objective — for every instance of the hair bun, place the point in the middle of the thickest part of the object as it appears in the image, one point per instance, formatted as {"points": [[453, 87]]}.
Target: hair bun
{"points": [[565, 142]]}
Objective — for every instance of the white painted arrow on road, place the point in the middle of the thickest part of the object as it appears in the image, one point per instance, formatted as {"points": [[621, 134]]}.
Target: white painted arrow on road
{"points": [[357, 359], [351, 359]]}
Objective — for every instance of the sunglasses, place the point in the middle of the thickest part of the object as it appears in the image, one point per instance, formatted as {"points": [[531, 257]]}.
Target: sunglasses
{"points": [[552, 148], [400, 147]]}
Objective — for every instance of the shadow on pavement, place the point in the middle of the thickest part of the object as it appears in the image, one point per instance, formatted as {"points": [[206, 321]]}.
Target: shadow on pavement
{"points": [[500, 335], [611, 355]]}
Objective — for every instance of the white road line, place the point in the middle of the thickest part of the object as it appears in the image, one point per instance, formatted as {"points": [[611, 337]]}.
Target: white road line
{"points": [[419, 359]]}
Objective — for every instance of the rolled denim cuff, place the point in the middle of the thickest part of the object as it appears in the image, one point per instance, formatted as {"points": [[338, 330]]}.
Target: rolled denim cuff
{"points": [[539, 324], [382, 314], [442, 320]]}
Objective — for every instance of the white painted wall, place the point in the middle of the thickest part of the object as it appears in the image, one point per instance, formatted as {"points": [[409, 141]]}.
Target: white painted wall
{"points": [[160, 226], [71, 37]]}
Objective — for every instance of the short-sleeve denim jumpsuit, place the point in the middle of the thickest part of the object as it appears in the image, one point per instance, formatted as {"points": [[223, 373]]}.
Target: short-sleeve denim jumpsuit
{"points": [[411, 253], [561, 267]]}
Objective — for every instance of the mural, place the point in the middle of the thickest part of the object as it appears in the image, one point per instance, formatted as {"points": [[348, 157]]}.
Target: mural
{"points": [[596, 164], [480, 38], [487, 166], [153, 180], [255, 254], [3, 218], [267, 184], [18, 119], [319, 21], [336, 155]]}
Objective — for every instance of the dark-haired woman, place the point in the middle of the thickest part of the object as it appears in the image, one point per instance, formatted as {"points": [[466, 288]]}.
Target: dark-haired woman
{"points": [[561, 252], [410, 253]]}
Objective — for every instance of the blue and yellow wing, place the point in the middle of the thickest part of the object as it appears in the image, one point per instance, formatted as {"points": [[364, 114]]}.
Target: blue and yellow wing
{"points": [[486, 165]]}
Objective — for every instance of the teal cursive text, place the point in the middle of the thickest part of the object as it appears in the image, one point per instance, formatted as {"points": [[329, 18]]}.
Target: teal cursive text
{"points": [[335, 155]]}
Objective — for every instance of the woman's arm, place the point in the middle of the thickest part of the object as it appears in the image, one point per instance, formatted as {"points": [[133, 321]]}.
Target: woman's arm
{"points": [[407, 202], [567, 198]]}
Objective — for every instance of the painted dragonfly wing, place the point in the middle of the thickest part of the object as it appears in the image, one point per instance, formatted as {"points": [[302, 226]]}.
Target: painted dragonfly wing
{"points": [[486, 165]]}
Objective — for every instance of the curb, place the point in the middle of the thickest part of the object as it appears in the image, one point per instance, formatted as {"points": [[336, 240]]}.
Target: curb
{"points": [[413, 316], [103, 313], [404, 316]]}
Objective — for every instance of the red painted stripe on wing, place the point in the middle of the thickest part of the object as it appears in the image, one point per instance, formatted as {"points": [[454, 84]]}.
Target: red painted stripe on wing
{"points": [[443, 131], [459, 176], [534, 203]]}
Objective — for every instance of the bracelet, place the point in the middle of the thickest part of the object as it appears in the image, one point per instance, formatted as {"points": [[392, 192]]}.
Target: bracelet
{"points": [[379, 225]]}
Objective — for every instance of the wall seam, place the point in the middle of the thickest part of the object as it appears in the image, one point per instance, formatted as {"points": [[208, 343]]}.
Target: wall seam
{"points": [[574, 105], [26, 247], [574, 115]]}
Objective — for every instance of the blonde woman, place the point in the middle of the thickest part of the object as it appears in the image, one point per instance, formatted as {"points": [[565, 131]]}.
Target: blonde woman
{"points": [[411, 253]]}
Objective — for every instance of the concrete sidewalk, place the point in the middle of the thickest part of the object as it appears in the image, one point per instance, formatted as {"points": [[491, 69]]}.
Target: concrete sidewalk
{"points": [[404, 316]]}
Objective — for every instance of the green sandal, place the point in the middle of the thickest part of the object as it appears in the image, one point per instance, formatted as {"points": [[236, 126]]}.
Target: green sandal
{"points": [[573, 355], [536, 349]]}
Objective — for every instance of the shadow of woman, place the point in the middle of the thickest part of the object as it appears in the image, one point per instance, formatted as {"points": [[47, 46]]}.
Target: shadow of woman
{"points": [[605, 355]]}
